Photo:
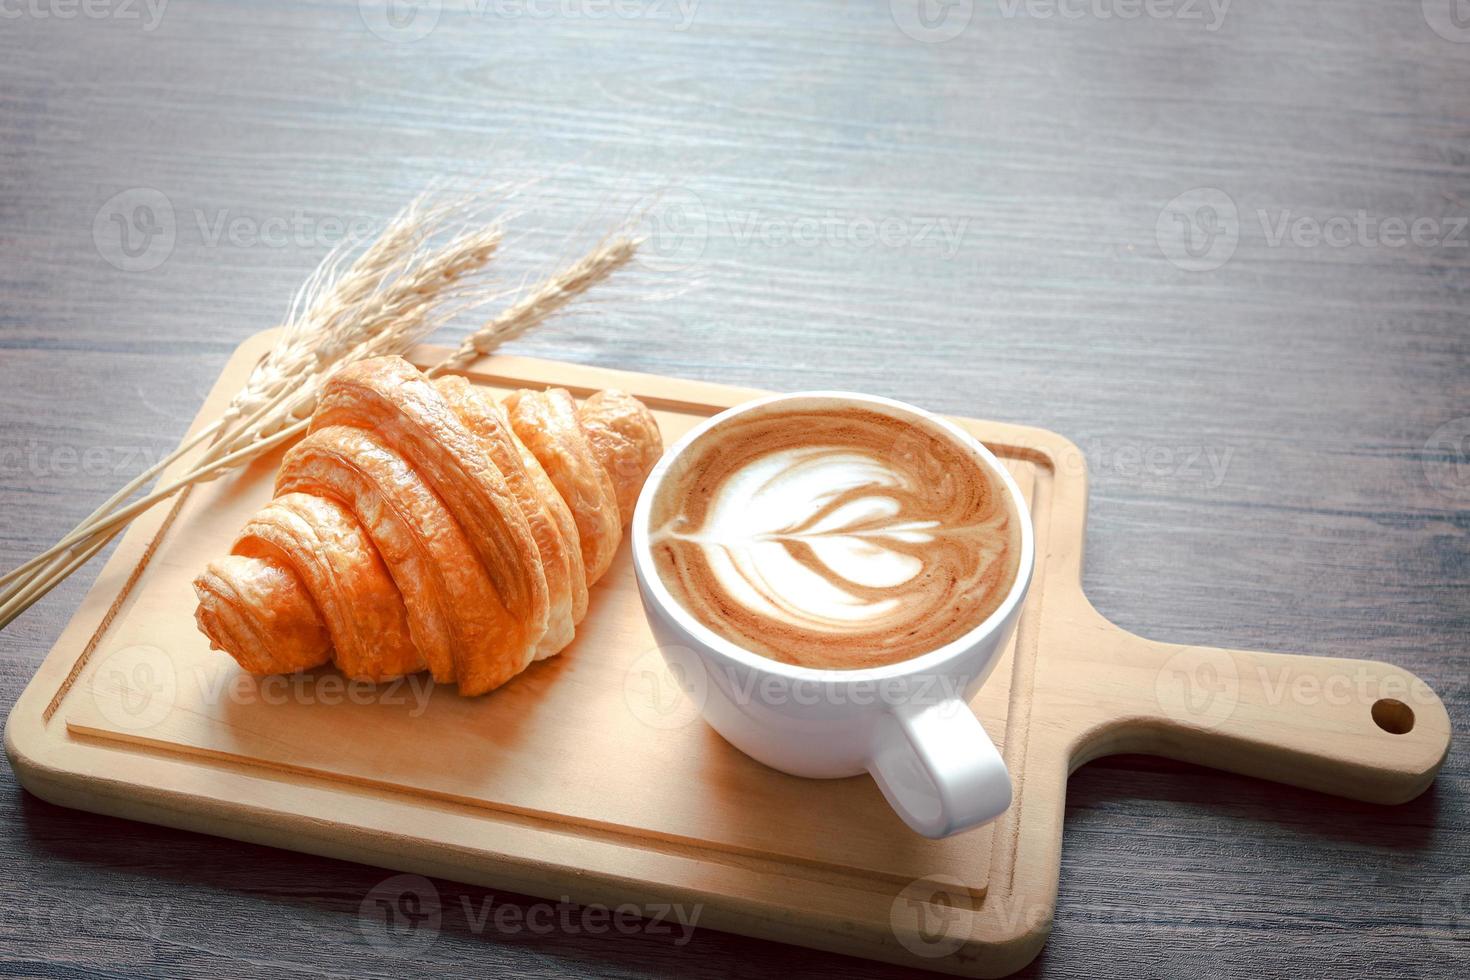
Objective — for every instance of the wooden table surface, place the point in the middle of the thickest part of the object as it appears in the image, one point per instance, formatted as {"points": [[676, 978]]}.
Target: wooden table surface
{"points": [[1223, 247]]}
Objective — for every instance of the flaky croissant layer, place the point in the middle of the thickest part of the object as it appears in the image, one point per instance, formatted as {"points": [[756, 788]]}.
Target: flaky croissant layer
{"points": [[422, 525]]}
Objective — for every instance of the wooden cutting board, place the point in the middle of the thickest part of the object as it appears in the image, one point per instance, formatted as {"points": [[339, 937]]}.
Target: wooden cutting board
{"points": [[591, 777]]}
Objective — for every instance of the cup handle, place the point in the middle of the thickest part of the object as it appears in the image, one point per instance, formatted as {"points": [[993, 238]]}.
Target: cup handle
{"points": [[938, 768]]}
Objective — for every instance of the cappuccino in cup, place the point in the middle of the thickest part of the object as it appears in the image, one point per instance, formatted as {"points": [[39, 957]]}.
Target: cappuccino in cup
{"points": [[835, 536], [798, 553]]}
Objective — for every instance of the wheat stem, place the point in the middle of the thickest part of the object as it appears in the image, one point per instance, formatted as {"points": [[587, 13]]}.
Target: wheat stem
{"points": [[381, 304], [36, 587], [112, 502], [199, 474], [396, 292], [541, 302]]}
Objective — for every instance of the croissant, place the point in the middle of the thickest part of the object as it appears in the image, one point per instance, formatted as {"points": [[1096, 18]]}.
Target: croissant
{"points": [[421, 525]]}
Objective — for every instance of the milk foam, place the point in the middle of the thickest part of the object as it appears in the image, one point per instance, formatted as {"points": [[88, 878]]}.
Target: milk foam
{"points": [[834, 538], [781, 498]]}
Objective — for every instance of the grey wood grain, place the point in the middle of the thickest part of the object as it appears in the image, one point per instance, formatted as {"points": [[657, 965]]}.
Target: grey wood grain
{"points": [[1277, 444]]}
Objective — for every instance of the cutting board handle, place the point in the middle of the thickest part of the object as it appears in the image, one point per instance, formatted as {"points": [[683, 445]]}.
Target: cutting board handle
{"points": [[1354, 728]]}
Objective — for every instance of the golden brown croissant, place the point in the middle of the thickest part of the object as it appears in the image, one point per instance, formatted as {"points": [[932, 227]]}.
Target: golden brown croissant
{"points": [[420, 524], [483, 418], [546, 421], [322, 542]]}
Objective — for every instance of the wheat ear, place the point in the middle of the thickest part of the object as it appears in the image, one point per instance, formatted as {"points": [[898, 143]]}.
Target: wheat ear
{"points": [[392, 305], [380, 303], [541, 302]]}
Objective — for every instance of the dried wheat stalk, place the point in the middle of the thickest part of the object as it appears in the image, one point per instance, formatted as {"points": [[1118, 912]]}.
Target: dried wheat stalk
{"points": [[542, 301], [395, 293]]}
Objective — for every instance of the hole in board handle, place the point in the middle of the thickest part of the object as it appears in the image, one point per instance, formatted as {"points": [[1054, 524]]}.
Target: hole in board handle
{"points": [[1393, 716]]}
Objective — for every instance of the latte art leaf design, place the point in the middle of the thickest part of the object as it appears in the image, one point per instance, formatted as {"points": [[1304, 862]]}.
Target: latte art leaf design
{"points": [[856, 546], [815, 537]]}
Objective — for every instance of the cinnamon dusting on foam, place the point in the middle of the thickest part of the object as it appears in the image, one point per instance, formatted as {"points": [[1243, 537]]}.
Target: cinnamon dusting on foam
{"points": [[834, 537]]}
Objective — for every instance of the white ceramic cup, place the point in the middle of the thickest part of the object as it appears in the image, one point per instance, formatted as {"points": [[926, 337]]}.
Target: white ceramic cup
{"points": [[908, 723]]}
